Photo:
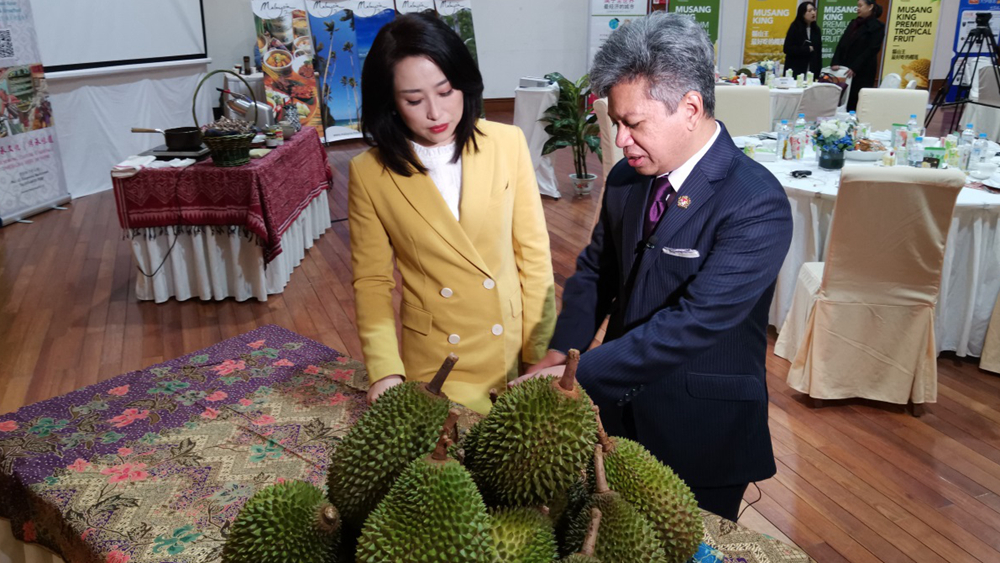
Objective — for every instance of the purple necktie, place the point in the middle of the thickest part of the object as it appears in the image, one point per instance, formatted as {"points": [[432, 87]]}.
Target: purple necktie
{"points": [[661, 194]]}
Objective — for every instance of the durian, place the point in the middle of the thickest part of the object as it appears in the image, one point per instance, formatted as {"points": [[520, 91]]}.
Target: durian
{"points": [[625, 534], [656, 492], [401, 426], [290, 521], [432, 514], [586, 553], [522, 535], [535, 441]]}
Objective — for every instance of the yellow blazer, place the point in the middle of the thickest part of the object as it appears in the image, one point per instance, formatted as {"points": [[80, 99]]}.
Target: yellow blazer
{"points": [[481, 287]]}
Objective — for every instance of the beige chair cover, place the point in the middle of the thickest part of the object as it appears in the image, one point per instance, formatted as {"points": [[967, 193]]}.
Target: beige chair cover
{"points": [[870, 333], [990, 361], [881, 107], [746, 110], [891, 80], [820, 100], [610, 153]]}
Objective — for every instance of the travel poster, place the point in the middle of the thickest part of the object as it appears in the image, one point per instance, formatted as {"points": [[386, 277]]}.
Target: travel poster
{"points": [[909, 40], [458, 15], [285, 47], [767, 24], [410, 6], [338, 70], [369, 17]]}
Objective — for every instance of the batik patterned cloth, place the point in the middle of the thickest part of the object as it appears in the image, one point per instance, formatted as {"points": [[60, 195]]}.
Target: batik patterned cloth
{"points": [[153, 466], [263, 197]]}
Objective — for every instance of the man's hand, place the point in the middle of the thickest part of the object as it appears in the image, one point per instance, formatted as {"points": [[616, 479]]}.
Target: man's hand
{"points": [[835, 67], [383, 385], [850, 73], [553, 358], [549, 371]]}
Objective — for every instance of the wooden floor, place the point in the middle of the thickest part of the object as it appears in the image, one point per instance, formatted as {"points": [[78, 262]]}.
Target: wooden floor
{"points": [[856, 482]]}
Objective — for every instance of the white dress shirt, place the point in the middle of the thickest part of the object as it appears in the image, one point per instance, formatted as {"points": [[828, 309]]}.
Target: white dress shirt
{"points": [[446, 175], [681, 173]]}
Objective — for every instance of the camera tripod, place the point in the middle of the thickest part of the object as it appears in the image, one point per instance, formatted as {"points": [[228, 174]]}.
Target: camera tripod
{"points": [[979, 41]]}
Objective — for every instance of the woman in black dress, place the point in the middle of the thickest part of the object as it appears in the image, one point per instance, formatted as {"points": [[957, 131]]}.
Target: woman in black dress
{"points": [[803, 43], [858, 49]]}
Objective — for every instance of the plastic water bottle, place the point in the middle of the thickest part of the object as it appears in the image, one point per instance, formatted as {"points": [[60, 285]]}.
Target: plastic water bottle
{"points": [[800, 123], [980, 152], [782, 137], [852, 116], [915, 152], [968, 136], [914, 126]]}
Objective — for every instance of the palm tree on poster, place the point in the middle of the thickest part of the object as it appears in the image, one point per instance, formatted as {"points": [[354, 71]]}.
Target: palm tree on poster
{"points": [[349, 49], [344, 82]]}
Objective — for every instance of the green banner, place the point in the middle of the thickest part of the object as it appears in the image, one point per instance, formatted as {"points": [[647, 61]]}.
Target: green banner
{"points": [[705, 12], [833, 18]]}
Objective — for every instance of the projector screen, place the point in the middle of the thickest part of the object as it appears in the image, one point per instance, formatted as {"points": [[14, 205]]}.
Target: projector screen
{"points": [[75, 34]]}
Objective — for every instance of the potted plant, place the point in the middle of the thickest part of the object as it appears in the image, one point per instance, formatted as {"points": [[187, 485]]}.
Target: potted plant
{"points": [[832, 137], [572, 123]]}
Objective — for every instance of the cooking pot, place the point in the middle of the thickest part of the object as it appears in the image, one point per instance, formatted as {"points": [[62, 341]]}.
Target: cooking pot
{"points": [[179, 139]]}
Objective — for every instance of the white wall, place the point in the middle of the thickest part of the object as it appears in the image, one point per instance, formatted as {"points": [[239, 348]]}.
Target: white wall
{"points": [[229, 28], [945, 40], [518, 38]]}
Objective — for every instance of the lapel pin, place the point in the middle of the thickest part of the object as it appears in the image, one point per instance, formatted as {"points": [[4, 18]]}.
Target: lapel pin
{"points": [[683, 202]]}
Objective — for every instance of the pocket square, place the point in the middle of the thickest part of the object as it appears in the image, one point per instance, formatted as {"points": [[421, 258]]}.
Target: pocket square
{"points": [[681, 252]]}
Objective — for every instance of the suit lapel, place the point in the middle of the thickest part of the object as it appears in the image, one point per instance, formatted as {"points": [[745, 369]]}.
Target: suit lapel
{"points": [[477, 187], [420, 191]]}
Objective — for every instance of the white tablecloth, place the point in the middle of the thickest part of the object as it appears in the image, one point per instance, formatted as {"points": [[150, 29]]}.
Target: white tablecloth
{"points": [[785, 103], [215, 266], [970, 280], [529, 106], [984, 118]]}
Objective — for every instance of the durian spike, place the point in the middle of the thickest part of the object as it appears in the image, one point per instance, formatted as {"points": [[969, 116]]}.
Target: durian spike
{"points": [[544, 510], [329, 518], [434, 387], [568, 379], [600, 478], [441, 451], [590, 540], [602, 436], [494, 396]]}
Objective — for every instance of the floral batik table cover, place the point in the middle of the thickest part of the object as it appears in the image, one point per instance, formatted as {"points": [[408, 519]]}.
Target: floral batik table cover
{"points": [[153, 466]]}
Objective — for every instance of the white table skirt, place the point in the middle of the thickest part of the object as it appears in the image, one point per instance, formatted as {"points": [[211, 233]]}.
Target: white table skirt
{"points": [[13, 550], [529, 106], [215, 266], [785, 103], [984, 118], [970, 279]]}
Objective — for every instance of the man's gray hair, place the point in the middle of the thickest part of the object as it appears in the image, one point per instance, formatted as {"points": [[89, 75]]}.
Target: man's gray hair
{"points": [[671, 51]]}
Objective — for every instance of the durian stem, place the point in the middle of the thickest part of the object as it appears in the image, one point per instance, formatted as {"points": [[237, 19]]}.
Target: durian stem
{"points": [[494, 396], [600, 478], [590, 541], [602, 435], [441, 450], [434, 387], [329, 518], [568, 379]]}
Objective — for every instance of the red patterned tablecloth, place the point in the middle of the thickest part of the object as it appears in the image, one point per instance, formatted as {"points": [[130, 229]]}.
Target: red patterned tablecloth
{"points": [[264, 197]]}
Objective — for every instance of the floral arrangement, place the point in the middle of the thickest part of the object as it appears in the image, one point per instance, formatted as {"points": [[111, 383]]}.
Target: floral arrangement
{"points": [[834, 135]]}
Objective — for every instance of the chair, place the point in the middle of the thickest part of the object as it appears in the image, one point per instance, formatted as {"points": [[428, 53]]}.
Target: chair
{"points": [[891, 80], [610, 153], [820, 100], [746, 110], [882, 107], [862, 323], [840, 73]]}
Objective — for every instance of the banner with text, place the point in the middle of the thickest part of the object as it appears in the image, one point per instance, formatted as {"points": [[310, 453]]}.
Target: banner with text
{"points": [[967, 10], [910, 39], [705, 12], [833, 18], [606, 16], [767, 25], [31, 177], [285, 51], [410, 6]]}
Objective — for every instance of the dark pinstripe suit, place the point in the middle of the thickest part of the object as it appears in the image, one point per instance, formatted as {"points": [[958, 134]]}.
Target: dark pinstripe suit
{"points": [[687, 339]]}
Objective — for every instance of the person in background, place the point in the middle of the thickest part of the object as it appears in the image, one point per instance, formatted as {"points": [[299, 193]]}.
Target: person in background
{"points": [[858, 48], [683, 259], [803, 42], [452, 201]]}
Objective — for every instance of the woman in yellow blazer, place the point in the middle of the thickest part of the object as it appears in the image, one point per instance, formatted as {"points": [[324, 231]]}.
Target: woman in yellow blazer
{"points": [[453, 199]]}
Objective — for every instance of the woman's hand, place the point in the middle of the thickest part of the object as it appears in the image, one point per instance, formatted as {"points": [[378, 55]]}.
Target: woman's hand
{"points": [[835, 67], [850, 73], [383, 385]]}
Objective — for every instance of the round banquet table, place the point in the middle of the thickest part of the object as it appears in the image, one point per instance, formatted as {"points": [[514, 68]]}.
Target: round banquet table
{"points": [[970, 280], [529, 106]]}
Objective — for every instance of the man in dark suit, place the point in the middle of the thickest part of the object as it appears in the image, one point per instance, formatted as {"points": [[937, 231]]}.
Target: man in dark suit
{"points": [[690, 239]]}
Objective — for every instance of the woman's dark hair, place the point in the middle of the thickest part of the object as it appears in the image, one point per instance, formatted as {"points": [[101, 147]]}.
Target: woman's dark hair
{"points": [[800, 16], [415, 35], [876, 9]]}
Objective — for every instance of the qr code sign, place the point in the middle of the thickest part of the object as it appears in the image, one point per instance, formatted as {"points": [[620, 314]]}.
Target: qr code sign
{"points": [[6, 44]]}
